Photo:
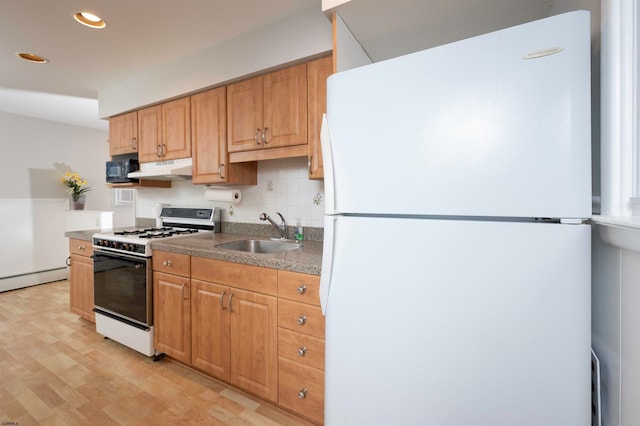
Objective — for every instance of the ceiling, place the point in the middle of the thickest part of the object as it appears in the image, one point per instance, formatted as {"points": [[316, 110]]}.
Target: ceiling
{"points": [[144, 34], [140, 34]]}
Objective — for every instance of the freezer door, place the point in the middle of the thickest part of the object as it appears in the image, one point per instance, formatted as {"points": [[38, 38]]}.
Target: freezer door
{"points": [[458, 323], [496, 125]]}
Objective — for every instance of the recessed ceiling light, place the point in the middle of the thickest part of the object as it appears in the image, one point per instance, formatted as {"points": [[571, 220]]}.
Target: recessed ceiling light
{"points": [[32, 57], [89, 19]]}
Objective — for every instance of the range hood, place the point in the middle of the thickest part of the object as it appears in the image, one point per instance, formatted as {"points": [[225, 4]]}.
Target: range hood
{"points": [[164, 170]]}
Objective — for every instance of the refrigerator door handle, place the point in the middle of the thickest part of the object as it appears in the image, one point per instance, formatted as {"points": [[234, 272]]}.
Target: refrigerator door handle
{"points": [[327, 261], [327, 160]]}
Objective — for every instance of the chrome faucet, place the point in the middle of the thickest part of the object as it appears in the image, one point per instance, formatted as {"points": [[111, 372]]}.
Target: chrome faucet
{"points": [[282, 228]]}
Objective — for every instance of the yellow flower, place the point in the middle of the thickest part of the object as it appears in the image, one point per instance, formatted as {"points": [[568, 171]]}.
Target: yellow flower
{"points": [[76, 185]]}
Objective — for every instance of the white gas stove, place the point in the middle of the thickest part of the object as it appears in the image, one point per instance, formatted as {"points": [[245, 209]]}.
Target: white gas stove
{"points": [[122, 274], [175, 222]]}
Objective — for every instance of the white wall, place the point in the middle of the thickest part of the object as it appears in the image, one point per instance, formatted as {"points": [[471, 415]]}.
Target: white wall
{"points": [[37, 152], [282, 187], [303, 35]]}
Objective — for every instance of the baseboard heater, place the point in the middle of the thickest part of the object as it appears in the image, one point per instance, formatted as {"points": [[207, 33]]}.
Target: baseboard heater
{"points": [[33, 278]]}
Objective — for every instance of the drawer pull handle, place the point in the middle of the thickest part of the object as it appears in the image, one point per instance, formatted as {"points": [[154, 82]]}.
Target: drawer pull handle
{"points": [[166, 263], [302, 320], [222, 300], [302, 289], [302, 351], [81, 248], [303, 393], [230, 307], [183, 293]]}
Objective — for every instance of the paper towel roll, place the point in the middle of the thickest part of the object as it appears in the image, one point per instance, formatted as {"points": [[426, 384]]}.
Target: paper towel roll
{"points": [[224, 195]]}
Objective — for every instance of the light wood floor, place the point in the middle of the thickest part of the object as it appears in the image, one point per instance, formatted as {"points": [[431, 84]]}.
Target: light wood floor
{"points": [[56, 370]]}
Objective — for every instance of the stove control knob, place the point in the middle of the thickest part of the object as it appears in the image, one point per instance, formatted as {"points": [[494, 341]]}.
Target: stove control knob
{"points": [[114, 244]]}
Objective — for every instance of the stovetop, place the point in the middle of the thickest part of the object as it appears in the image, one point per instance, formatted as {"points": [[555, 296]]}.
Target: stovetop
{"points": [[176, 222], [159, 232]]}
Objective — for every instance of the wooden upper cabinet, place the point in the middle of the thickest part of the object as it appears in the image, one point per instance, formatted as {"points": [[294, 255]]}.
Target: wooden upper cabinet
{"points": [[123, 134], [317, 73], [164, 131], [268, 111], [209, 142], [176, 129], [245, 115], [149, 133], [285, 107]]}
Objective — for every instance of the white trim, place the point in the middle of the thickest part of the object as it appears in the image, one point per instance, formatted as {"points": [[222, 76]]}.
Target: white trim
{"points": [[619, 165], [635, 93], [36, 278]]}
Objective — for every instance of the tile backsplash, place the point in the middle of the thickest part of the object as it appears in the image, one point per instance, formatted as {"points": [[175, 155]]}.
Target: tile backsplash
{"points": [[283, 186]]}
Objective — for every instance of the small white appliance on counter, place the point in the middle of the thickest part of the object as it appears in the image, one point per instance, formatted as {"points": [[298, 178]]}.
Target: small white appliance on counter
{"points": [[456, 260], [123, 283], [80, 220]]}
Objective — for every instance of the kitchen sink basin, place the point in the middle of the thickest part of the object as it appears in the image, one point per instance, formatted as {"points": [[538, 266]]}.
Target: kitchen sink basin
{"points": [[260, 246]]}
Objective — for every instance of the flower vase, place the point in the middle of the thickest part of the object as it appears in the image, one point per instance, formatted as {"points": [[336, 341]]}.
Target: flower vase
{"points": [[77, 202]]}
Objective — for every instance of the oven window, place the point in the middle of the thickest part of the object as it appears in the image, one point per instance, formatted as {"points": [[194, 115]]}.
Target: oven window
{"points": [[123, 286]]}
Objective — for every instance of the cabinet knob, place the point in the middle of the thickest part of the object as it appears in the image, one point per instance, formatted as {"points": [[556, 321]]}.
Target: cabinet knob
{"points": [[264, 135], [302, 319], [302, 289], [302, 351], [303, 393], [166, 263], [257, 136]]}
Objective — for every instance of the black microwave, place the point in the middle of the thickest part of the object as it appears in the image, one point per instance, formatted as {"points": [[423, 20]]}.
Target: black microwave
{"points": [[117, 170]]}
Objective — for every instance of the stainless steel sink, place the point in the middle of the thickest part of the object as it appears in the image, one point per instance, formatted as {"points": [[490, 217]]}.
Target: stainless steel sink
{"points": [[260, 246]]}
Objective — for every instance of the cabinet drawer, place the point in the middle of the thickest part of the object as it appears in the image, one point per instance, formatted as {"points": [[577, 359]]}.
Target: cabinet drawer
{"points": [[302, 348], [246, 277], [301, 389], [301, 317], [171, 263], [80, 247], [299, 287]]}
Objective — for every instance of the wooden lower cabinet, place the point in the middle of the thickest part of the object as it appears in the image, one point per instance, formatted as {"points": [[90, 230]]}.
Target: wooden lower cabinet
{"points": [[301, 389], [172, 316], [210, 328], [81, 301], [300, 345], [234, 330], [234, 322], [234, 337]]}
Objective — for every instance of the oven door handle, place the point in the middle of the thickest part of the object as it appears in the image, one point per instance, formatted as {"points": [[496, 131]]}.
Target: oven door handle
{"points": [[118, 255]]}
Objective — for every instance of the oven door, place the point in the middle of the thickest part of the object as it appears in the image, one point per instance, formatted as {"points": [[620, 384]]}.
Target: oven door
{"points": [[123, 287]]}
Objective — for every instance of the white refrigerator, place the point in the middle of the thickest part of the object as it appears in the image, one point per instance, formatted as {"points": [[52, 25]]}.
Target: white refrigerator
{"points": [[456, 263]]}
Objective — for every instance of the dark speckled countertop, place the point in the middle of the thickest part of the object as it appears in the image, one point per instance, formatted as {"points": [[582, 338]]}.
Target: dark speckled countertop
{"points": [[307, 259]]}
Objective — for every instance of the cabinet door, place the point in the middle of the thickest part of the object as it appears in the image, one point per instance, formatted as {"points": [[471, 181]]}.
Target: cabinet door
{"points": [[81, 287], [245, 115], [254, 363], [176, 129], [285, 107], [172, 316], [317, 73], [123, 134], [150, 134], [209, 136], [210, 328]]}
